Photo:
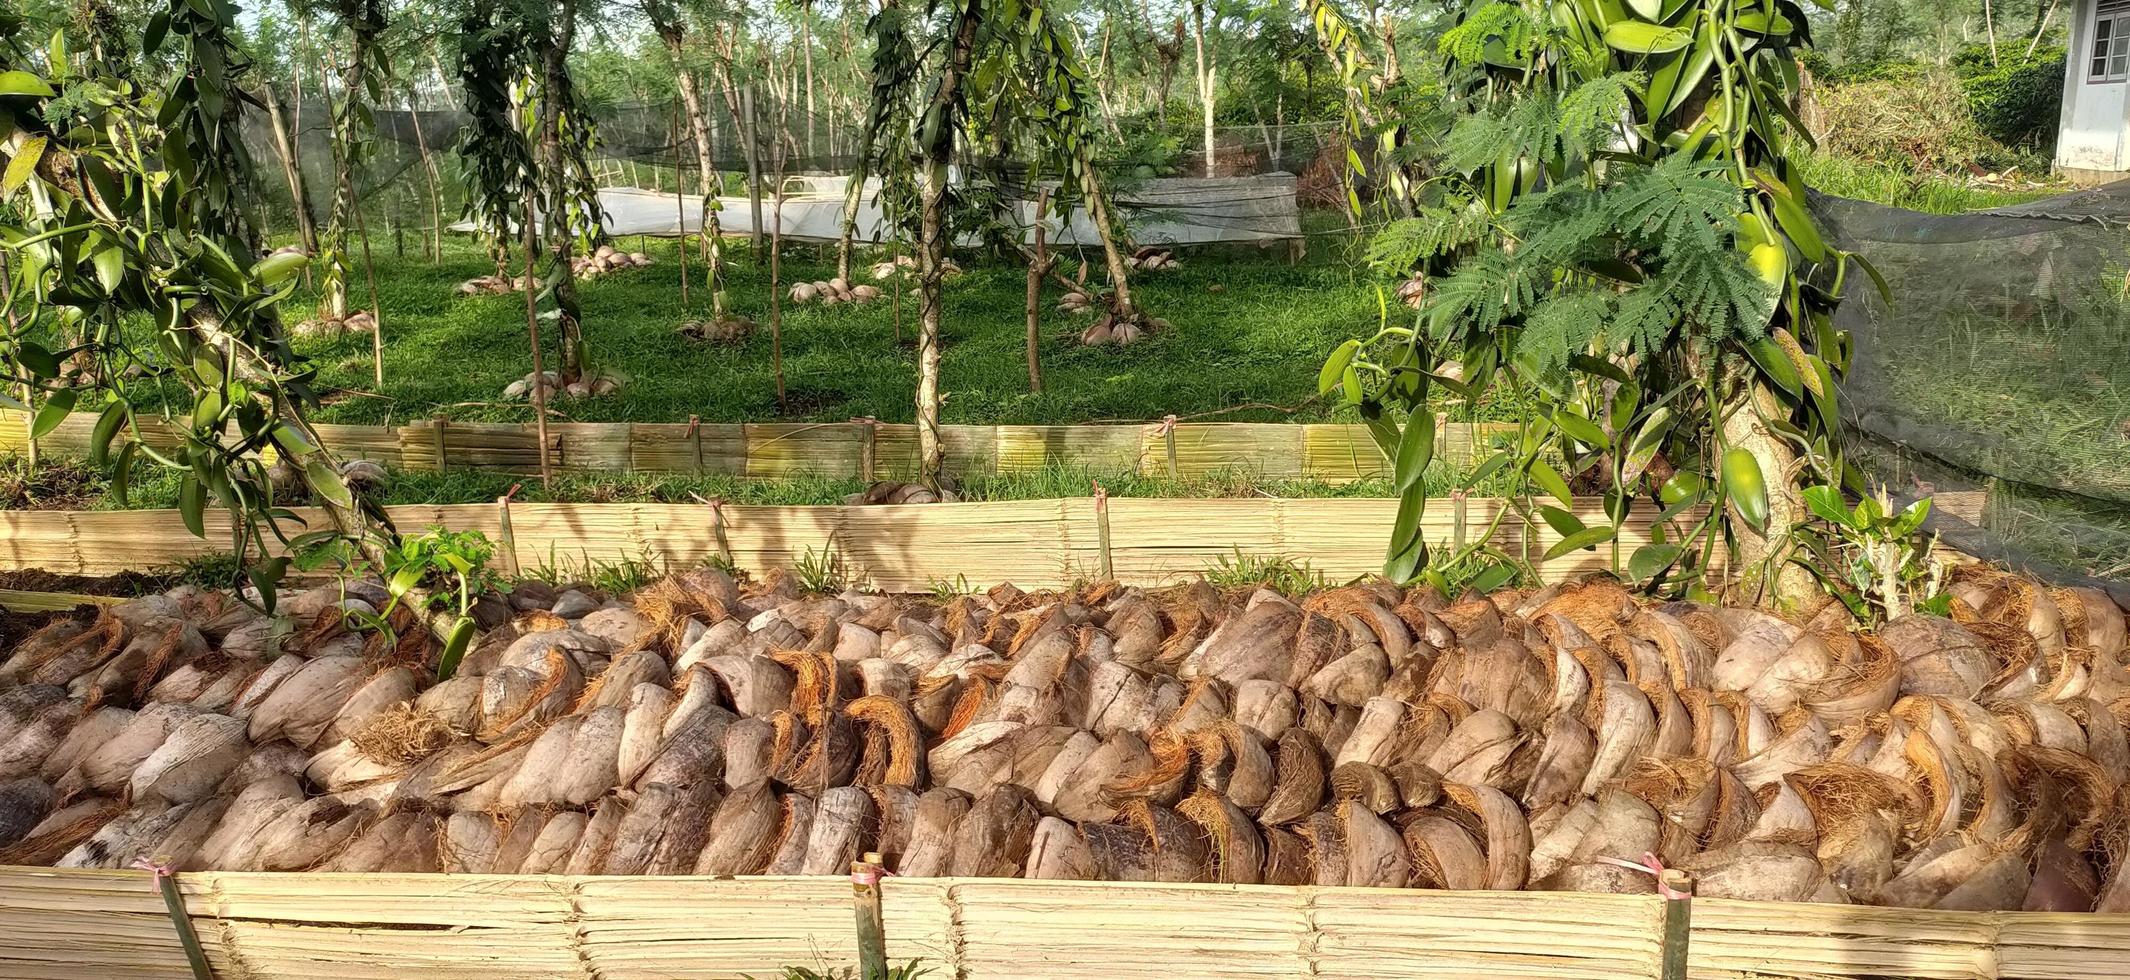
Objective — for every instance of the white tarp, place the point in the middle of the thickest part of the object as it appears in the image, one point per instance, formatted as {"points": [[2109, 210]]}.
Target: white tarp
{"points": [[1162, 211]]}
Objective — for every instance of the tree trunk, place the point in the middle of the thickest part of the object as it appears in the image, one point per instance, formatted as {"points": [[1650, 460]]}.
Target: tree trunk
{"points": [[1764, 576], [940, 125], [2041, 27], [691, 98], [333, 306], [554, 166], [1989, 25], [748, 125], [806, 41], [306, 222], [1098, 212], [776, 299], [1038, 266], [1205, 78], [429, 173]]}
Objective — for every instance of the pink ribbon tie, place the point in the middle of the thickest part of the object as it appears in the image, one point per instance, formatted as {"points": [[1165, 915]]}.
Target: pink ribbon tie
{"points": [[160, 870], [870, 875], [1654, 867]]}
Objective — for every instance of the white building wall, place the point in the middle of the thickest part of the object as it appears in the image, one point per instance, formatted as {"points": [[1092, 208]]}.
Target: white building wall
{"points": [[2096, 115]]}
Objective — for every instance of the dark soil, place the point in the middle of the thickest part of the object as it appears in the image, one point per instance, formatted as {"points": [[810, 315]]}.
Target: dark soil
{"points": [[124, 584], [53, 484]]}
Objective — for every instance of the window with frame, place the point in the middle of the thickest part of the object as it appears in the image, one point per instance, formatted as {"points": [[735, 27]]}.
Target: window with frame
{"points": [[2111, 42]]}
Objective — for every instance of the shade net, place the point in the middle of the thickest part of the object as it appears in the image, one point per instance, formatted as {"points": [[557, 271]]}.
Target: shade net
{"points": [[2000, 367], [1159, 182]]}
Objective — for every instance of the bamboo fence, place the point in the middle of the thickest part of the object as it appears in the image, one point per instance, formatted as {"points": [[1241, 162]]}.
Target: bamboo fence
{"points": [[868, 450], [894, 548], [113, 924]]}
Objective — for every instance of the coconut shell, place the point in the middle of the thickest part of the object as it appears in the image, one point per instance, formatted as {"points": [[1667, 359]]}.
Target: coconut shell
{"points": [[591, 768], [1120, 758], [1299, 779], [90, 733], [686, 831], [109, 769], [1757, 871], [1177, 847], [307, 834], [1057, 852], [934, 831], [126, 838], [35, 741], [468, 843]]}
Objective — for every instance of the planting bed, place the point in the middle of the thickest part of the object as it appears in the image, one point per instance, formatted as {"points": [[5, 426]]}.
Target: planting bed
{"points": [[1361, 736]]}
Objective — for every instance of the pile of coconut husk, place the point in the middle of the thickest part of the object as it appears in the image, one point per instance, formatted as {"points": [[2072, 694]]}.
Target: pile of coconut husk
{"points": [[360, 321], [604, 381], [493, 285], [1362, 735], [1153, 258], [1413, 291], [903, 268], [1121, 328], [605, 259], [902, 492], [728, 330], [829, 292]]}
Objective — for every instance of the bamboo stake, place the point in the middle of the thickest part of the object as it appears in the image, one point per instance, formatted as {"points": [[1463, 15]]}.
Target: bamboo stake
{"points": [[377, 312], [1677, 890], [872, 926], [1037, 267], [776, 298], [509, 545], [1102, 556], [680, 221]]}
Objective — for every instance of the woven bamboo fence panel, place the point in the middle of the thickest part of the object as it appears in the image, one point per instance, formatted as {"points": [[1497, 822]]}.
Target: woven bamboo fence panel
{"points": [[897, 548], [1334, 453], [75, 924]]}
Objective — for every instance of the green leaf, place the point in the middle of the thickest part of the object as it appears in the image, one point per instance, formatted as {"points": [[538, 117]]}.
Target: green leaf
{"points": [[1350, 385], [1408, 544], [1562, 522], [1650, 560], [122, 472], [1775, 365], [110, 268], [1885, 291], [1911, 518], [106, 429], [54, 412], [274, 269], [25, 83], [1334, 367], [1636, 37], [1828, 504], [1416, 449], [1486, 469], [455, 646], [1790, 213], [327, 483], [192, 505], [1762, 22], [1582, 429], [23, 165], [1589, 538], [1646, 9], [403, 580], [1495, 576], [291, 441], [1549, 479], [1746, 487]]}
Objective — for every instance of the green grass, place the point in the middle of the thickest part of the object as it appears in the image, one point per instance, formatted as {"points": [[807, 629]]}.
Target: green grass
{"points": [[158, 488], [1255, 340], [1895, 187]]}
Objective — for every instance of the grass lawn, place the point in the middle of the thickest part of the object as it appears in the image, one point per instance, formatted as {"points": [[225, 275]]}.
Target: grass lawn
{"points": [[1249, 329]]}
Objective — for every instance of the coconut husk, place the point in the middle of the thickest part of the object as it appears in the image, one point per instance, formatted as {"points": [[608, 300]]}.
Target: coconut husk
{"points": [[1245, 773], [1377, 734], [1758, 871], [1625, 727], [467, 843], [1077, 749], [1351, 679], [637, 836], [518, 699], [1683, 792], [933, 832], [79, 640], [743, 832], [896, 810], [126, 838], [109, 769], [1979, 877], [1567, 754], [192, 760], [24, 803], [1286, 857], [1375, 854], [1299, 779], [153, 647], [1325, 836], [1177, 847], [89, 734], [235, 841], [179, 848], [794, 829], [1085, 797], [880, 677], [35, 741], [61, 830], [749, 746], [596, 843], [1366, 785], [383, 691], [302, 707], [1805, 742], [840, 821], [454, 703], [1555, 834], [1625, 827], [307, 834], [534, 780], [1507, 835], [686, 830], [592, 768], [1501, 676], [992, 840], [516, 834], [1057, 852], [1938, 657], [1235, 850], [1267, 708], [2062, 880], [892, 744], [404, 841], [549, 850], [2033, 723]]}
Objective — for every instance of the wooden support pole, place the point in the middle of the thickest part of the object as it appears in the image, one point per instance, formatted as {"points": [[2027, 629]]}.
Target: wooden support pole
{"points": [[872, 925], [1168, 441], [1678, 892], [532, 329], [1102, 558], [436, 436], [868, 440], [509, 545]]}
